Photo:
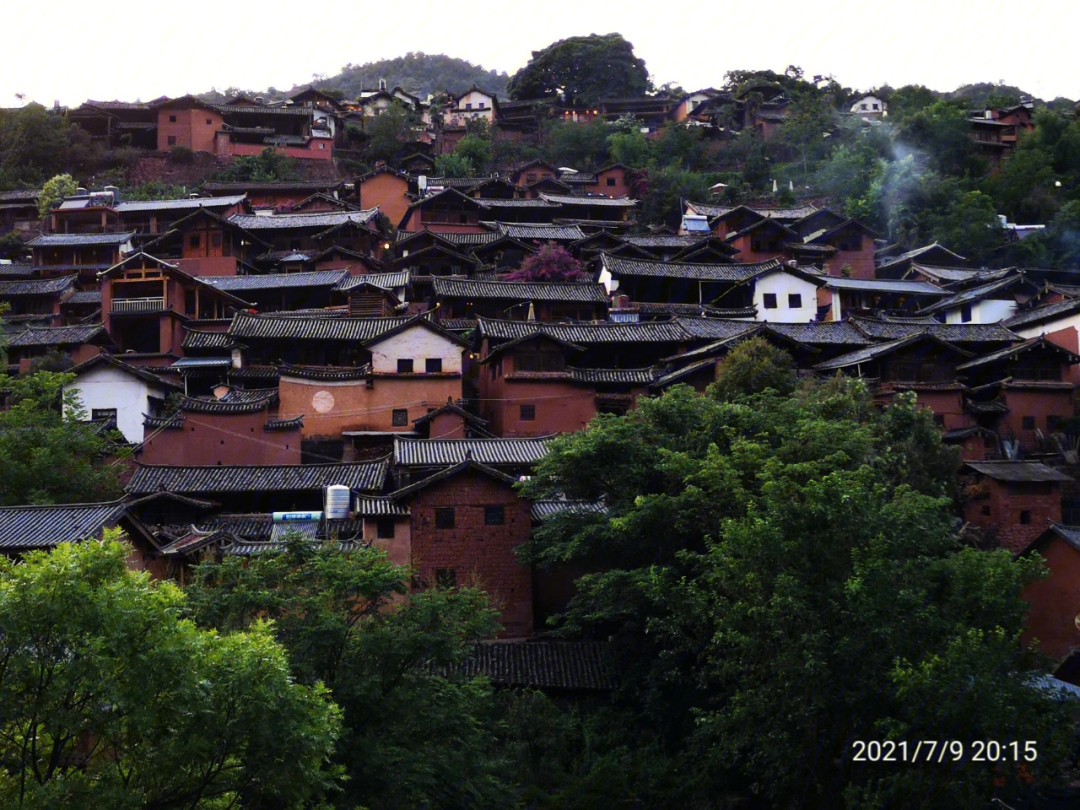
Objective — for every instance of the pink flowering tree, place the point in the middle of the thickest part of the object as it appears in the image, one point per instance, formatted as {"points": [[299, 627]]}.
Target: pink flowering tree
{"points": [[551, 263]]}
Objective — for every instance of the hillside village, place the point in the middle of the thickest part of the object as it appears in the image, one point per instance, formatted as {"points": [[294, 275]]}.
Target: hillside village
{"points": [[257, 344]]}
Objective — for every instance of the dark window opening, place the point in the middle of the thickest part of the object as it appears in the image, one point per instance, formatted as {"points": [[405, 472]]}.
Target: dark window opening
{"points": [[1052, 422], [611, 181], [445, 578], [405, 366], [794, 301], [1025, 517], [171, 140], [172, 119], [384, 528], [444, 517], [1028, 423], [215, 239], [965, 313], [433, 365], [321, 451], [770, 300], [528, 413], [209, 123], [193, 240], [400, 417], [494, 515], [939, 419], [98, 414]]}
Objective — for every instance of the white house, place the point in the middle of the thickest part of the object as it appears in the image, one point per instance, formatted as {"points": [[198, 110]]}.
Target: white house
{"points": [[786, 295], [475, 103], [869, 107], [107, 387], [418, 347]]}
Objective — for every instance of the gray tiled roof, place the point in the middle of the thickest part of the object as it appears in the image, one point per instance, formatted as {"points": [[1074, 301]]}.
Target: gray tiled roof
{"points": [[954, 274], [625, 376], [192, 405], [1048, 312], [949, 332], [196, 339], [799, 212], [79, 239], [366, 476], [518, 291], [16, 270], [589, 333], [825, 332], [732, 272], [608, 202], [36, 286], [138, 206], [920, 251], [44, 526], [308, 328], [573, 665], [55, 336], [242, 186], [541, 510], [325, 219], [570, 233], [665, 240], [884, 285], [380, 507], [865, 354], [84, 297], [983, 291], [447, 452], [1017, 349], [277, 281], [712, 328], [387, 281], [1015, 471], [529, 203]]}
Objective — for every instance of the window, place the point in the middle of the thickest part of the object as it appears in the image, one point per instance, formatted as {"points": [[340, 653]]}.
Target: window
{"points": [[965, 313], [209, 122], [1025, 517], [463, 219], [400, 417], [445, 578], [405, 366], [494, 515], [770, 300], [939, 419], [384, 528], [172, 140], [530, 178], [1052, 422], [433, 365], [215, 239], [528, 413], [794, 300], [876, 106], [468, 106], [1027, 423], [610, 181], [444, 517], [193, 240], [862, 106], [172, 119], [481, 105], [98, 414]]}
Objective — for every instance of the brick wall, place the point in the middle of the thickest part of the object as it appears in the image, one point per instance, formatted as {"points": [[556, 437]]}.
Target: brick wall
{"points": [[479, 554]]}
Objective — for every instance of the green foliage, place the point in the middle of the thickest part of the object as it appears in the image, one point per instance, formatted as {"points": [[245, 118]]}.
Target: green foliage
{"points": [[110, 699], [477, 151], [156, 190], [664, 188], [51, 455], [454, 165], [630, 149], [53, 193], [265, 167], [12, 246], [551, 263], [388, 133], [418, 73], [970, 227], [36, 144], [908, 100], [412, 736], [583, 70], [580, 146], [780, 576], [752, 367], [941, 132]]}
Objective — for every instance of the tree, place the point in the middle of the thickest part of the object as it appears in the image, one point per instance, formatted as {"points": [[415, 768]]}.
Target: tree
{"points": [[970, 226], [551, 263], [388, 132], [752, 367], [51, 453], [454, 165], [414, 734], [477, 151], [579, 146], [942, 133], [108, 698], [779, 578], [53, 193], [268, 166], [583, 70]]}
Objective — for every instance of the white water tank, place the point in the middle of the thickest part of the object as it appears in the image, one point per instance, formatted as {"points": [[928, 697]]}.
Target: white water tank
{"points": [[337, 502]]}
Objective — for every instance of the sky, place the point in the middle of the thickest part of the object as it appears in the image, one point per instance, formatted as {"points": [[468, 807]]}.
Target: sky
{"points": [[72, 50]]}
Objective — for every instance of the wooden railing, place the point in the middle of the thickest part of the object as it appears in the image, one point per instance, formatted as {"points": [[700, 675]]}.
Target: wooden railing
{"points": [[138, 304]]}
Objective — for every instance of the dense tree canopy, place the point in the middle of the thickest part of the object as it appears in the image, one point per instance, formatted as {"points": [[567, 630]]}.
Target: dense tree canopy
{"points": [[781, 577], [584, 70], [108, 698]]}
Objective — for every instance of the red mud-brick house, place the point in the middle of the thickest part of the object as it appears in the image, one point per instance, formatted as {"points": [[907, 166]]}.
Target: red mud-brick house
{"points": [[446, 211], [146, 301], [511, 300], [1058, 322], [282, 194], [240, 428], [841, 298], [148, 218], [451, 421], [1054, 612], [996, 131], [352, 230], [276, 292], [203, 243], [37, 300], [1012, 501], [466, 521], [652, 281], [1022, 390], [386, 189]]}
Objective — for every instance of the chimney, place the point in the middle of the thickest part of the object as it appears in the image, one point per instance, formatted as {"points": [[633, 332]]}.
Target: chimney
{"points": [[259, 100], [622, 301]]}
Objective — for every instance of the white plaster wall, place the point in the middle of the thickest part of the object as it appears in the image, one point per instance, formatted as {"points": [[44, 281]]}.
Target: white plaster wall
{"points": [[108, 387], [783, 285], [417, 343], [1049, 327], [476, 99], [988, 311]]}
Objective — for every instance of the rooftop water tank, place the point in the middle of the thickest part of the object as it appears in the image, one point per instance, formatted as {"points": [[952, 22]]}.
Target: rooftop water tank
{"points": [[337, 502]]}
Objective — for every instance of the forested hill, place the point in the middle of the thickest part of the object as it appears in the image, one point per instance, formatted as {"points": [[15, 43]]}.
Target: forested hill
{"points": [[419, 73]]}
